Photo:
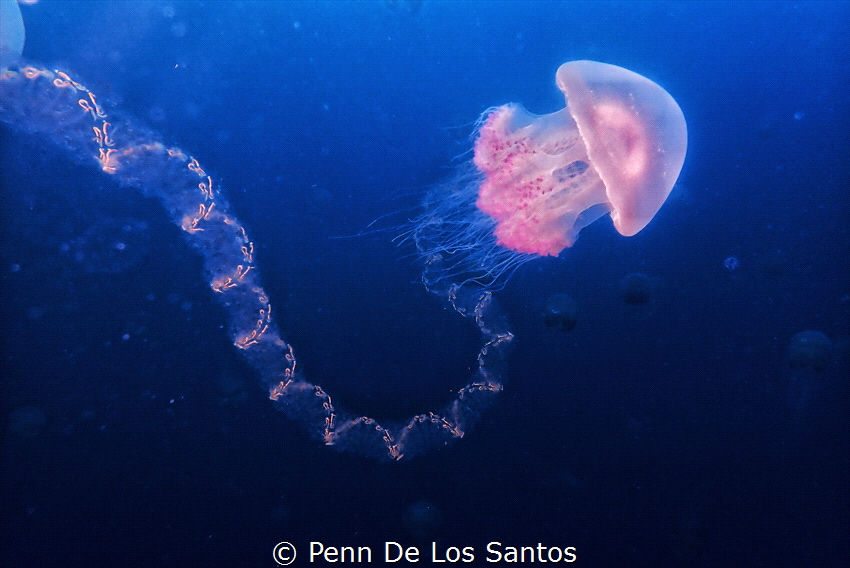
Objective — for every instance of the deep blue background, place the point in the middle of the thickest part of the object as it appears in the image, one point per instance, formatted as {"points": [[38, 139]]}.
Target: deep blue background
{"points": [[658, 435]]}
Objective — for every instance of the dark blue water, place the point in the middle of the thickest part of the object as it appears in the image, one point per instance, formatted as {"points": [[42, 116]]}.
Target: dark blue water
{"points": [[688, 430]]}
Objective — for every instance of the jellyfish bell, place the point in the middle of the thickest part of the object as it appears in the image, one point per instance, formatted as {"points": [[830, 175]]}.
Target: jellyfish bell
{"points": [[617, 147], [635, 134]]}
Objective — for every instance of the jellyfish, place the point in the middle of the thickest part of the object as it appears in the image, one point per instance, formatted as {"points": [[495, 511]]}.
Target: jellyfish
{"points": [[422, 520], [11, 33], [636, 288], [617, 148], [774, 264], [26, 422], [808, 357], [561, 312], [533, 184], [809, 350], [114, 245]]}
